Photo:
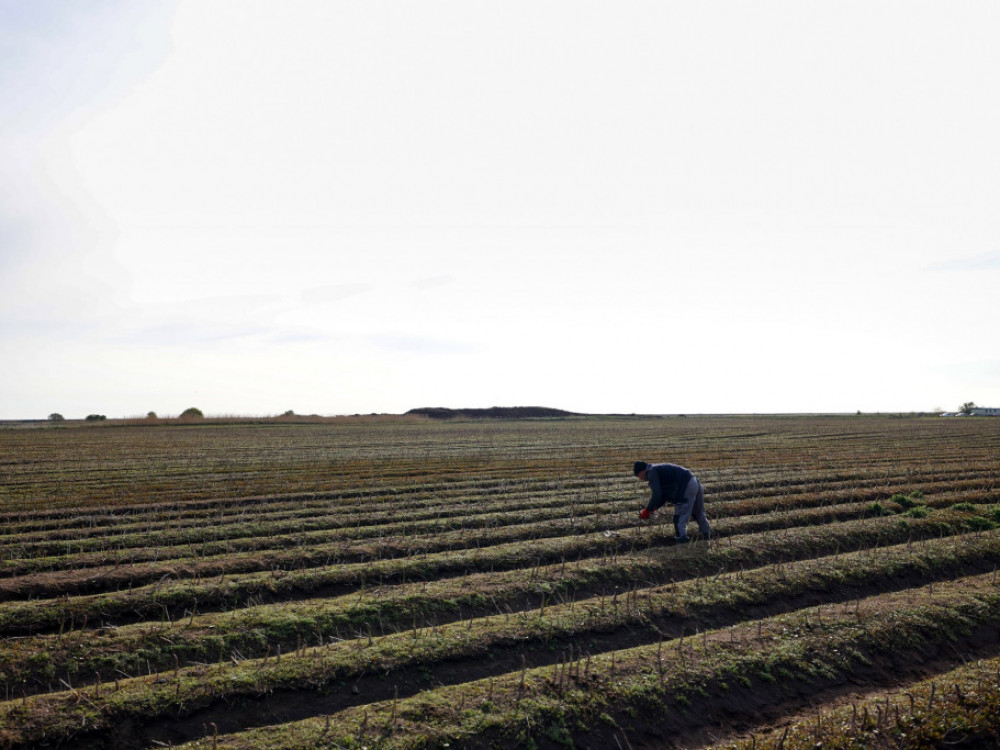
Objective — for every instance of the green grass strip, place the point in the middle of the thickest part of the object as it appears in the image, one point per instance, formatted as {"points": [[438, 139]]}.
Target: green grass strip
{"points": [[668, 682], [249, 633], [960, 708]]}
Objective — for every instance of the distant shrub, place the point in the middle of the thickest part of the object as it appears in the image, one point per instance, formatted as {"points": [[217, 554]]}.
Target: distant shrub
{"points": [[993, 512], [920, 511], [96, 417], [56, 417], [877, 509], [916, 494], [192, 413], [964, 506], [151, 415], [904, 500]]}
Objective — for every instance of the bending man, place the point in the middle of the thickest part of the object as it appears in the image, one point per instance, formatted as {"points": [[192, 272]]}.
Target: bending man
{"points": [[674, 484]]}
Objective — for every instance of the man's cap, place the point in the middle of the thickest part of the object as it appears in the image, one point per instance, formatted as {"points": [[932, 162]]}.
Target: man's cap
{"points": [[639, 466]]}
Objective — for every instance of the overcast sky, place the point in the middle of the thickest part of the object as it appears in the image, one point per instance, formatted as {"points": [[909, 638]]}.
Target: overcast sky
{"points": [[654, 207]]}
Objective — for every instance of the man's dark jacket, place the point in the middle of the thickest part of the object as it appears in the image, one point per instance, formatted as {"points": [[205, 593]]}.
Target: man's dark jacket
{"points": [[667, 483]]}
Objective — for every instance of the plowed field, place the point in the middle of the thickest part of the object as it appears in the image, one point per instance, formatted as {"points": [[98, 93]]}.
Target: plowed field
{"points": [[404, 582]]}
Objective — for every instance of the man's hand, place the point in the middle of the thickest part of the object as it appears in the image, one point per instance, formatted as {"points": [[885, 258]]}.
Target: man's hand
{"points": [[644, 514]]}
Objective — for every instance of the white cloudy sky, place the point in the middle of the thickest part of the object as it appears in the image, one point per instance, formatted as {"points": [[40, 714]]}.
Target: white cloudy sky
{"points": [[251, 206]]}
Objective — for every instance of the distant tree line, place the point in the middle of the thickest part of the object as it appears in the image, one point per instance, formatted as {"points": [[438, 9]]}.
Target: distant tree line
{"points": [[190, 413]]}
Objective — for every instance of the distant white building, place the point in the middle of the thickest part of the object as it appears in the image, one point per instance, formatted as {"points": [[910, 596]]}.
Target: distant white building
{"points": [[984, 411]]}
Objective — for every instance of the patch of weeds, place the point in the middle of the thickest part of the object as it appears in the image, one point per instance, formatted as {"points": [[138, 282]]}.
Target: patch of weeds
{"points": [[878, 510], [558, 733], [827, 671], [609, 720], [918, 511], [41, 663], [855, 654], [978, 523], [964, 506], [904, 500]]}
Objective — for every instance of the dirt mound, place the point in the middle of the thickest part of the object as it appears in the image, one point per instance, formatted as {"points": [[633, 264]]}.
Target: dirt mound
{"points": [[494, 412]]}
